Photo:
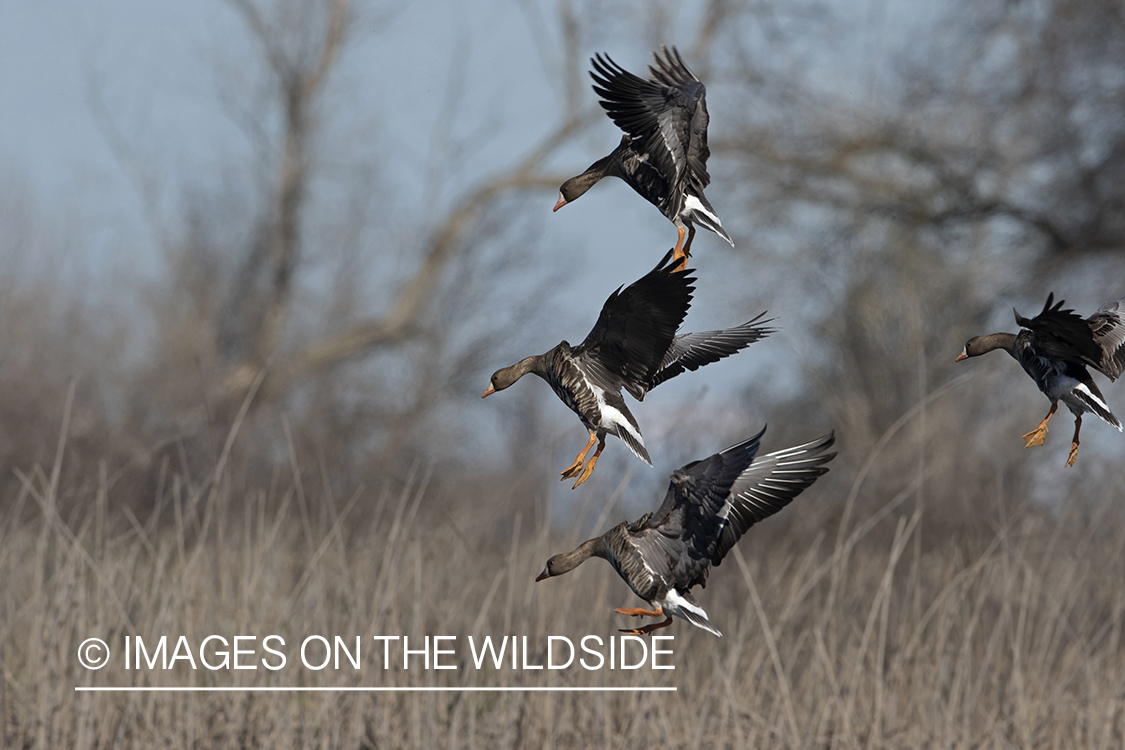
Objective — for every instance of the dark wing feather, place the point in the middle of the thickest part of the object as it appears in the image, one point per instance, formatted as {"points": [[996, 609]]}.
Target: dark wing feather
{"points": [[690, 351], [1025, 322], [651, 557], [1034, 363], [768, 485], [637, 324], [632, 102], [698, 151], [645, 177], [708, 480], [711, 503], [1108, 329], [673, 72], [690, 513], [661, 118], [1062, 334]]}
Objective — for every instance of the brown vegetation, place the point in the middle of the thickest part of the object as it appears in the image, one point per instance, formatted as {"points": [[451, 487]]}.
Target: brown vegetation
{"points": [[271, 434], [878, 631]]}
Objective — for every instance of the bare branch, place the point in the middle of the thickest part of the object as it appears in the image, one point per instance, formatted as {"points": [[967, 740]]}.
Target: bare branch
{"points": [[270, 45], [401, 321], [572, 41], [300, 81], [339, 16]]}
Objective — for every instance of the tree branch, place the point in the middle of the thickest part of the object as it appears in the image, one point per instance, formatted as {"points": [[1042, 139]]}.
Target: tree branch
{"points": [[400, 321]]}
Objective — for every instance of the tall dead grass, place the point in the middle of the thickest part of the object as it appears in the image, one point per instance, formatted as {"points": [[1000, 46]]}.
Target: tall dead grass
{"points": [[861, 631]]}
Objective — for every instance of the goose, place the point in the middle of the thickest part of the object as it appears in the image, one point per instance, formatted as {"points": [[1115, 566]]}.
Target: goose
{"points": [[663, 153], [1055, 348], [708, 507], [633, 345]]}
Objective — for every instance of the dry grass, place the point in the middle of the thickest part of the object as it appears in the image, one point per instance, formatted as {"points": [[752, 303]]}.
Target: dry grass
{"points": [[859, 632]]}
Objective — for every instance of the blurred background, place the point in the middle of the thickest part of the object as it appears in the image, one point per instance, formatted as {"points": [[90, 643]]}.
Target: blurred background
{"points": [[258, 259]]}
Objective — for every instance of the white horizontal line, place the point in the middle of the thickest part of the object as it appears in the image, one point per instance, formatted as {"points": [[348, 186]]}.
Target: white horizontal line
{"points": [[288, 689]]}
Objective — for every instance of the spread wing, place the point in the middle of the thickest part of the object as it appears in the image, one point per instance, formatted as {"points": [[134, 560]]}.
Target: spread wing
{"points": [[711, 503], [690, 351], [768, 485], [673, 72], [1062, 334], [637, 324], [691, 517], [663, 116], [1108, 329], [633, 103]]}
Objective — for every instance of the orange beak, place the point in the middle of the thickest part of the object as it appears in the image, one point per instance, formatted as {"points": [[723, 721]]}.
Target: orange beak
{"points": [[560, 204], [961, 356], [489, 392]]}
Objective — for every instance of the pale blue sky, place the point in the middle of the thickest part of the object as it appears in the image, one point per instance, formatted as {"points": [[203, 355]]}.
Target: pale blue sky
{"points": [[158, 67], [161, 70]]}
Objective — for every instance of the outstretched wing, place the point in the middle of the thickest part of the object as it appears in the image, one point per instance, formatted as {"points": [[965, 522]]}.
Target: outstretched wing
{"points": [[672, 71], [637, 324], [663, 116], [1062, 334], [691, 517], [690, 351], [768, 485], [1108, 329], [633, 103], [711, 503]]}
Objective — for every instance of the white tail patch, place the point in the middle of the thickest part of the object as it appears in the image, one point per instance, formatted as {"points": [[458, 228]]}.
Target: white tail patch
{"points": [[1091, 395], [674, 604], [1089, 398], [705, 216], [690, 201], [614, 421], [612, 418]]}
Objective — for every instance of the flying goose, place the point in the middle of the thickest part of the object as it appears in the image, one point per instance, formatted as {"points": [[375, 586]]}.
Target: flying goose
{"points": [[709, 506], [1055, 348], [663, 154], [634, 346]]}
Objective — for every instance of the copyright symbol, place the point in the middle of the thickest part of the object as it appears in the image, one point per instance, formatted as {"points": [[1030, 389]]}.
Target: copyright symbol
{"points": [[93, 653]]}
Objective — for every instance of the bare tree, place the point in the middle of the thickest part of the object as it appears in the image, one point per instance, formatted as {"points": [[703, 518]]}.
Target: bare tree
{"points": [[234, 294]]}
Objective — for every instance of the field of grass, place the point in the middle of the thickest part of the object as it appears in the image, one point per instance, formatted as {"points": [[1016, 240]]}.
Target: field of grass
{"points": [[253, 282], [867, 623]]}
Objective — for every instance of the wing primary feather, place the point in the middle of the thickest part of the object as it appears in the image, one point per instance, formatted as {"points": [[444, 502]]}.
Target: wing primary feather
{"points": [[690, 351], [1108, 329], [769, 484]]}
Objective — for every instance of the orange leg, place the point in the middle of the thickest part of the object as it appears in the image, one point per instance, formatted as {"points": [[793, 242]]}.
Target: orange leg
{"points": [[1036, 436], [683, 249], [638, 612], [589, 469], [650, 628], [574, 468], [1074, 443], [687, 245], [678, 250]]}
